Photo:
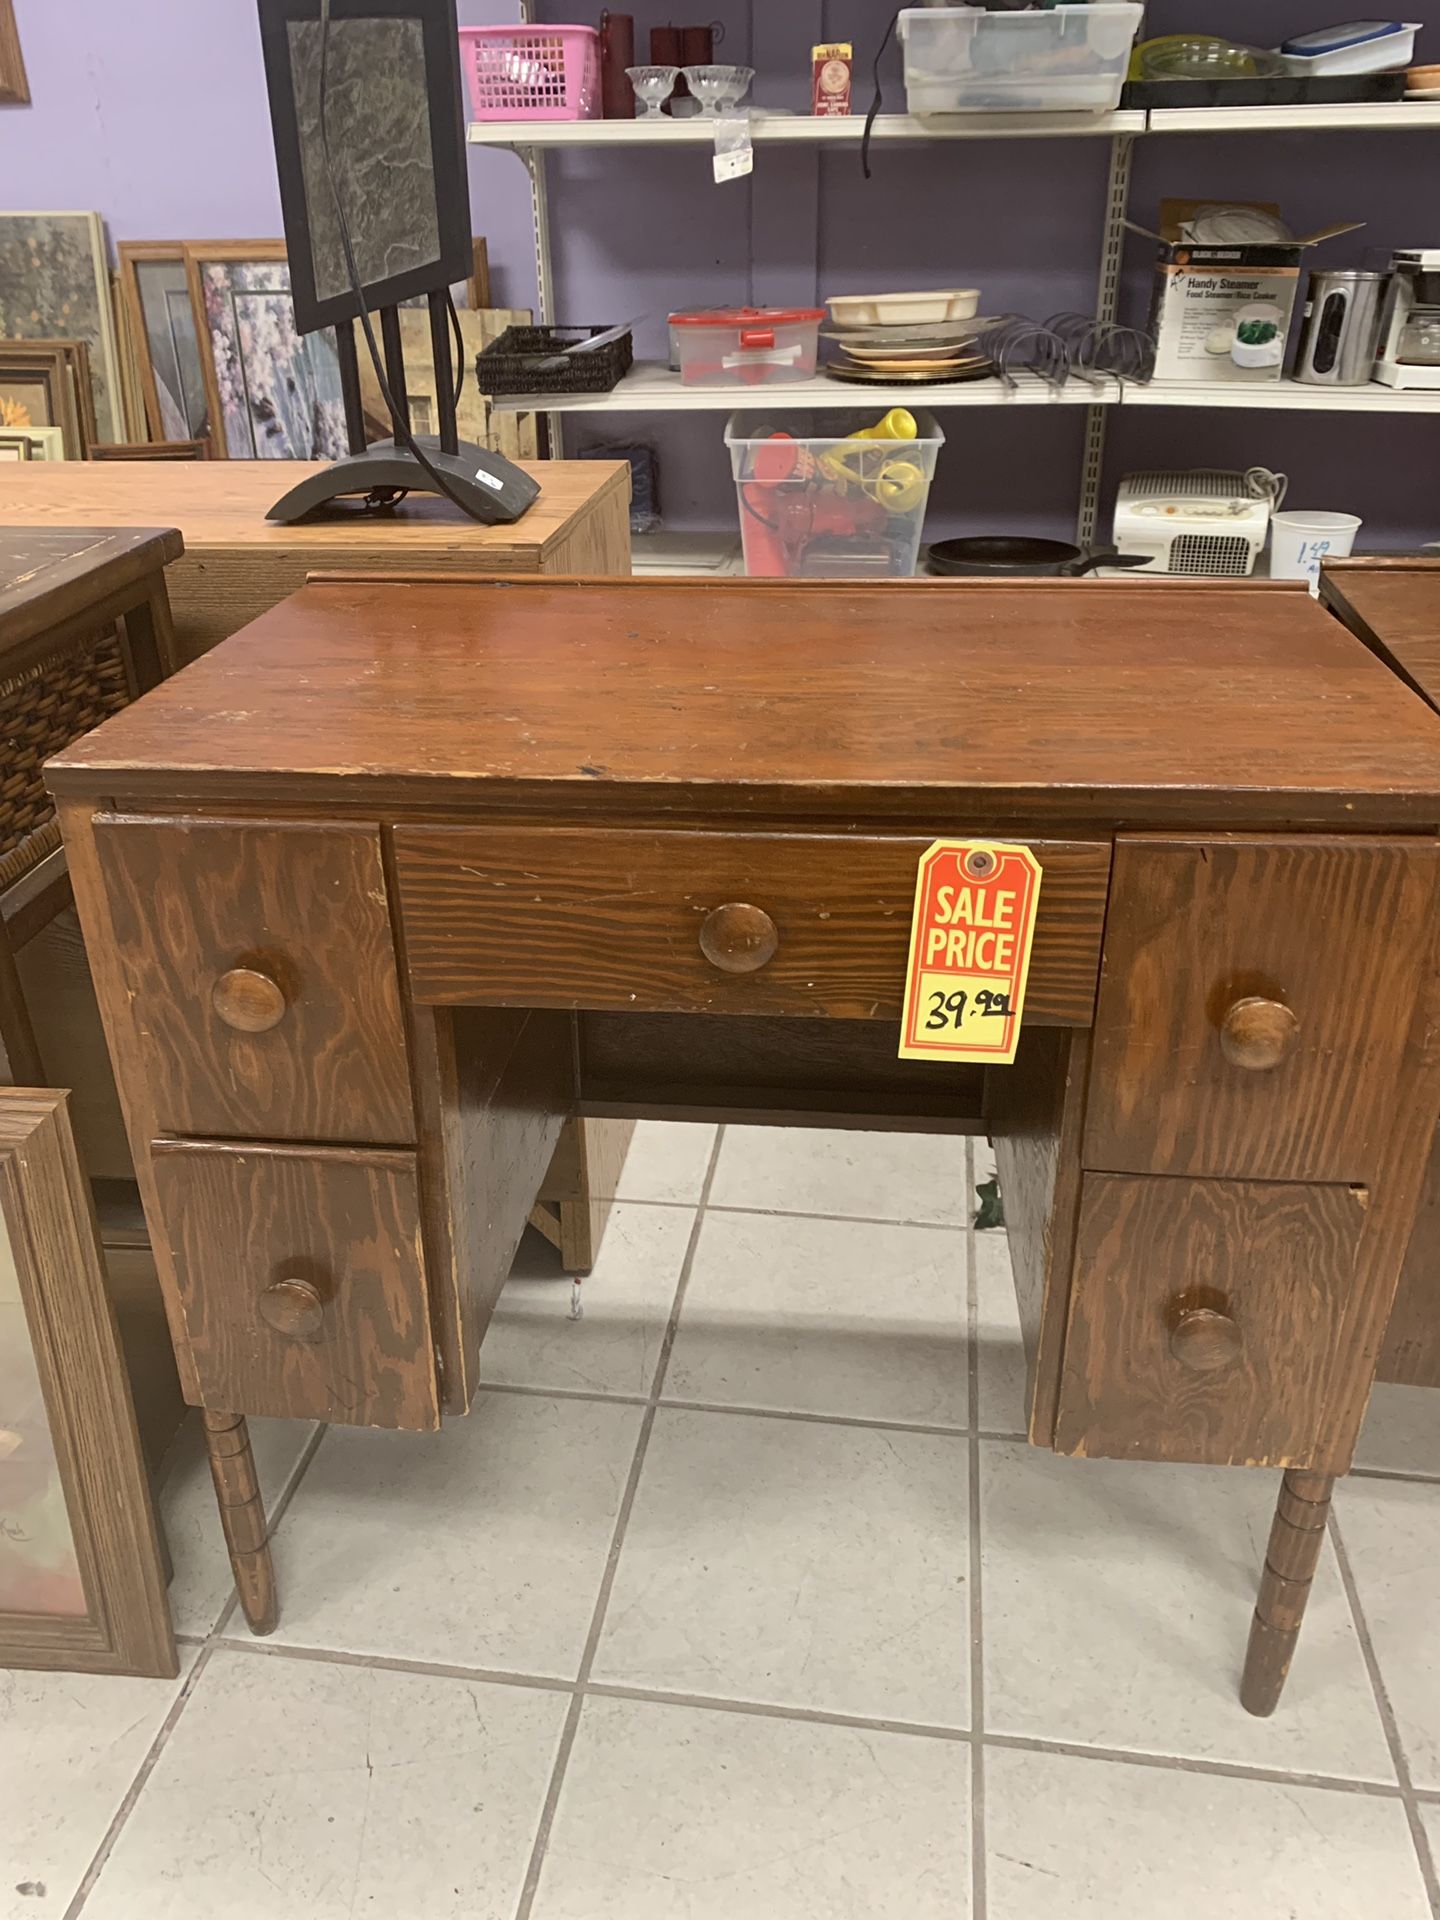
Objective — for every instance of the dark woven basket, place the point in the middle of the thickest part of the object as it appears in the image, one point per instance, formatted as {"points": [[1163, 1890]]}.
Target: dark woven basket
{"points": [[508, 364]]}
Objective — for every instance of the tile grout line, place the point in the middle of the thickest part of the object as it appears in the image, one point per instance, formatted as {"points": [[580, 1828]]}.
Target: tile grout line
{"points": [[1388, 1721], [534, 1867], [137, 1786], [978, 1861]]}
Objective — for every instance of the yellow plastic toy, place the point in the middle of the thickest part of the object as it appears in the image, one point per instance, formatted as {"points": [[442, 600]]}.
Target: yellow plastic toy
{"points": [[898, 485]]}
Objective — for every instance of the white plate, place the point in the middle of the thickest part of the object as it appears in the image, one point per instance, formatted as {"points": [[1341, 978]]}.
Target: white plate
{"points": [[948, 351], [903, 309]]}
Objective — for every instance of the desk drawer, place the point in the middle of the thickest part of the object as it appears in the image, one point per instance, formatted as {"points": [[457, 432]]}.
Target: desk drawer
{"points": [[301, 1280], [262, 976], [1208, 1320], [707, 922], [1255, 1005]]}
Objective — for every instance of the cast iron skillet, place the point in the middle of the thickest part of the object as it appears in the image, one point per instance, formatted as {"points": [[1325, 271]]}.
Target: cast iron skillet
{"points": [[1000, 556]]}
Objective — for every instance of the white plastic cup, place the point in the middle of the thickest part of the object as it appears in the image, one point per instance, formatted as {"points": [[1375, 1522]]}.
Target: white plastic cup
{"points": [[1300, 541]]}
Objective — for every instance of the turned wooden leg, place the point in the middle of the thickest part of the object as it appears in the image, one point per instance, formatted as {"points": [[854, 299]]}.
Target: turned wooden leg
{"points": [[242, 1515], [1296, 1537]]}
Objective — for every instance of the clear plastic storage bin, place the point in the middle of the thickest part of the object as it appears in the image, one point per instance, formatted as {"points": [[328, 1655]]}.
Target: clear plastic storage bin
{"points": [[832, 496], [1068, 59], [746, 346]]}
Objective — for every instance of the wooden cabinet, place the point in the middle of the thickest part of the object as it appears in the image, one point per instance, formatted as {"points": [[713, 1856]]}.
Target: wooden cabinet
{"points": [[1206, 1318], [741, 923], [1255, 1003], [260, 962], [301, 1280]]}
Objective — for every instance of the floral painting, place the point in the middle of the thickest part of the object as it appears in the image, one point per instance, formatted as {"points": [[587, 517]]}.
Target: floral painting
{"points": [[280, 396], [39, 1572], [55, 285]]}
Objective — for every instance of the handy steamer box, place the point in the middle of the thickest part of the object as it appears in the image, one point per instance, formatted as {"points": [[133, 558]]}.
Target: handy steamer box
{"points": [[1222, 313]]}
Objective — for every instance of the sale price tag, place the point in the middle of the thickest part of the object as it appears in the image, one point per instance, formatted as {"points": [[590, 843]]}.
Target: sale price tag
{"points": [[974, 921]]}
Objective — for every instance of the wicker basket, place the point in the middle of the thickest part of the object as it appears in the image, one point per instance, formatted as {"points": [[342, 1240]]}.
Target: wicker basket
{"points": [[508, 365], [43, 709]]}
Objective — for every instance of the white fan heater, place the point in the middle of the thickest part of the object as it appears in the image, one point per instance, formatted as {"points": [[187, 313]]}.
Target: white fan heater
{"points": [[1200, 522]]}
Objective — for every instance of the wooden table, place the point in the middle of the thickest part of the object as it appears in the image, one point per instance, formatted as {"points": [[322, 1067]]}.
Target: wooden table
{"points": [[363, 949], [1392, 602], [236, 565]]}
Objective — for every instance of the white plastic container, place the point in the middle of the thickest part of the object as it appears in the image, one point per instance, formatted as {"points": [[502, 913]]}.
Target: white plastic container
{"points": [[746, 346], [1299, 541], [817, 504], [1066, 59], [1359, 46], [904, 309]]}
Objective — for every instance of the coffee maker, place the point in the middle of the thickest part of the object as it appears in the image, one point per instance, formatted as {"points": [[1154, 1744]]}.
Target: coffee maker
{"points": [[1409, 352]]}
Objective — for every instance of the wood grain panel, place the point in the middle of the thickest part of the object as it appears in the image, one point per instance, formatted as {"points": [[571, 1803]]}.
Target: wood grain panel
{"points": [[1392, 603], [1277, 1260], [343, 1222], [939, 705], [306, 905], [1412, 1344], [592, 919], [1035, 1109], [1338, 931]]}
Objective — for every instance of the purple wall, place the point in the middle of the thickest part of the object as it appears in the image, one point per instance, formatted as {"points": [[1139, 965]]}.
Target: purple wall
{"points": [[154, 112]]}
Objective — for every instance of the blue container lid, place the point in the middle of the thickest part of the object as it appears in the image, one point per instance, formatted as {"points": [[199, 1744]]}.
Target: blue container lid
{"points": [[1353, 33]]}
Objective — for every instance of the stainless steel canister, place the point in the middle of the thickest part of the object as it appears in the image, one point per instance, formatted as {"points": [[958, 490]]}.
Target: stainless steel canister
{"points": [[1342, 328]]}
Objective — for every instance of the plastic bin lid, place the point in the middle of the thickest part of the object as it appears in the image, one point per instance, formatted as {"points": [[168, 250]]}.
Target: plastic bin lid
{"points": [[745, 316], [1352, 33]]}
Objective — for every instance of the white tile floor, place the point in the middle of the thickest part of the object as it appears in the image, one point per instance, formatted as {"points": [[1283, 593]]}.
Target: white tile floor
{"points": [[741, 1599]]}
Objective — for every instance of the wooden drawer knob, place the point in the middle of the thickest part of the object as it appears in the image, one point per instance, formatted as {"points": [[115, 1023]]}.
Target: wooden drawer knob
{"points": [[248, 1000], [1205, 1340], [294, 1307], [1258, 1034], [738, 939]]}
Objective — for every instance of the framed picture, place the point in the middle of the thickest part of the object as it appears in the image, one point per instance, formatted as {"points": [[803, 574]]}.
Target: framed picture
{"points": [[273, 393], [55, 285], [82, 1586], [165, 330], [14, 87], [14, 446], [40, 383], [46, 443]]}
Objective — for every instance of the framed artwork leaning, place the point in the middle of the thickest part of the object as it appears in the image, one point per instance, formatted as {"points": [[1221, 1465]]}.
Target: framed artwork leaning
{"points": [[15, 446], [82, 1582], [55, 285], [165, 333], [41, 383], [14, 87]]}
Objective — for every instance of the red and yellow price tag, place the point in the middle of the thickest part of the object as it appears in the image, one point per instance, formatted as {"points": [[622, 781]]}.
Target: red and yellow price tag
{"points": [[970, 938]]}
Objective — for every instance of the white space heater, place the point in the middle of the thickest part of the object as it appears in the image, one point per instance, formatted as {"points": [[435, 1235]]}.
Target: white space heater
{"points": [[1200, 522]]}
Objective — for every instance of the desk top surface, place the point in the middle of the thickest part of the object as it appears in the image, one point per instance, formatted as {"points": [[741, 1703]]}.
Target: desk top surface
{"points": [[223, 503], [47, 574], [1393, 603], [1038, 703]]}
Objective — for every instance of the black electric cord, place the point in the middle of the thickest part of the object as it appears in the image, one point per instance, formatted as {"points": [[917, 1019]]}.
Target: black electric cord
{"points": [[459, 347], [877, 96], [398, 421]]}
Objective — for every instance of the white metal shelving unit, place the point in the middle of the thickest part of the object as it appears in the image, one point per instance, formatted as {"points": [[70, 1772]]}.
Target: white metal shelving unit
{"points": [[655, 389]]}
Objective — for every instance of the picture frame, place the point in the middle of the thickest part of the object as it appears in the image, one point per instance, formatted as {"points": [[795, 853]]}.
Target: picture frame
{"points": [[14, 87], [273, 393], [165, 333], [55, 284], [41, 384], [82, 1576], [14, 446], [46, 443]]}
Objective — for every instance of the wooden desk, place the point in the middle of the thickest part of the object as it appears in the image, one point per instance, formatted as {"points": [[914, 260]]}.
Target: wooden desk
{"points": [[236, 565], [1392, 602], [365, 946]]}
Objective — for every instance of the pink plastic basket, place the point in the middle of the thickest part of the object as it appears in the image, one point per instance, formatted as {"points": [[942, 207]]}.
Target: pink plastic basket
{"points": [[532, 73]]}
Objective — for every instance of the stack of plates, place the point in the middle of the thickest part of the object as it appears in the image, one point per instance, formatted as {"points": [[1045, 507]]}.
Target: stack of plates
{"points": [[916, 355]]}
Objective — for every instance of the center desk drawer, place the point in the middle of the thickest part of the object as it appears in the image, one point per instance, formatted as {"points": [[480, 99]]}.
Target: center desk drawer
{"points": [[707, 922]]}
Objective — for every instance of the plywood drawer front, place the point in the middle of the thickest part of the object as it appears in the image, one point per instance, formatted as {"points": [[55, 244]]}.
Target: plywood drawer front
{"points": [[1256, 1001], [1207, 1320], [262, 972], [301, 1280], [651, 921]]}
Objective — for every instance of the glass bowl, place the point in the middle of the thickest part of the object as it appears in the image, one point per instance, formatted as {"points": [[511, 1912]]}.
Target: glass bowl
{"points": [[717, 88], [653, 87]]}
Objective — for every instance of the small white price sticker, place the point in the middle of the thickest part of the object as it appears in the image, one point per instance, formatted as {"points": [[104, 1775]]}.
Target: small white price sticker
{"points": [[735, 164]]}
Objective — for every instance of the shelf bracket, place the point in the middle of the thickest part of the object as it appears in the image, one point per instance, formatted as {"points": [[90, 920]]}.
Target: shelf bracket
{"points": [[1107, 305]]}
